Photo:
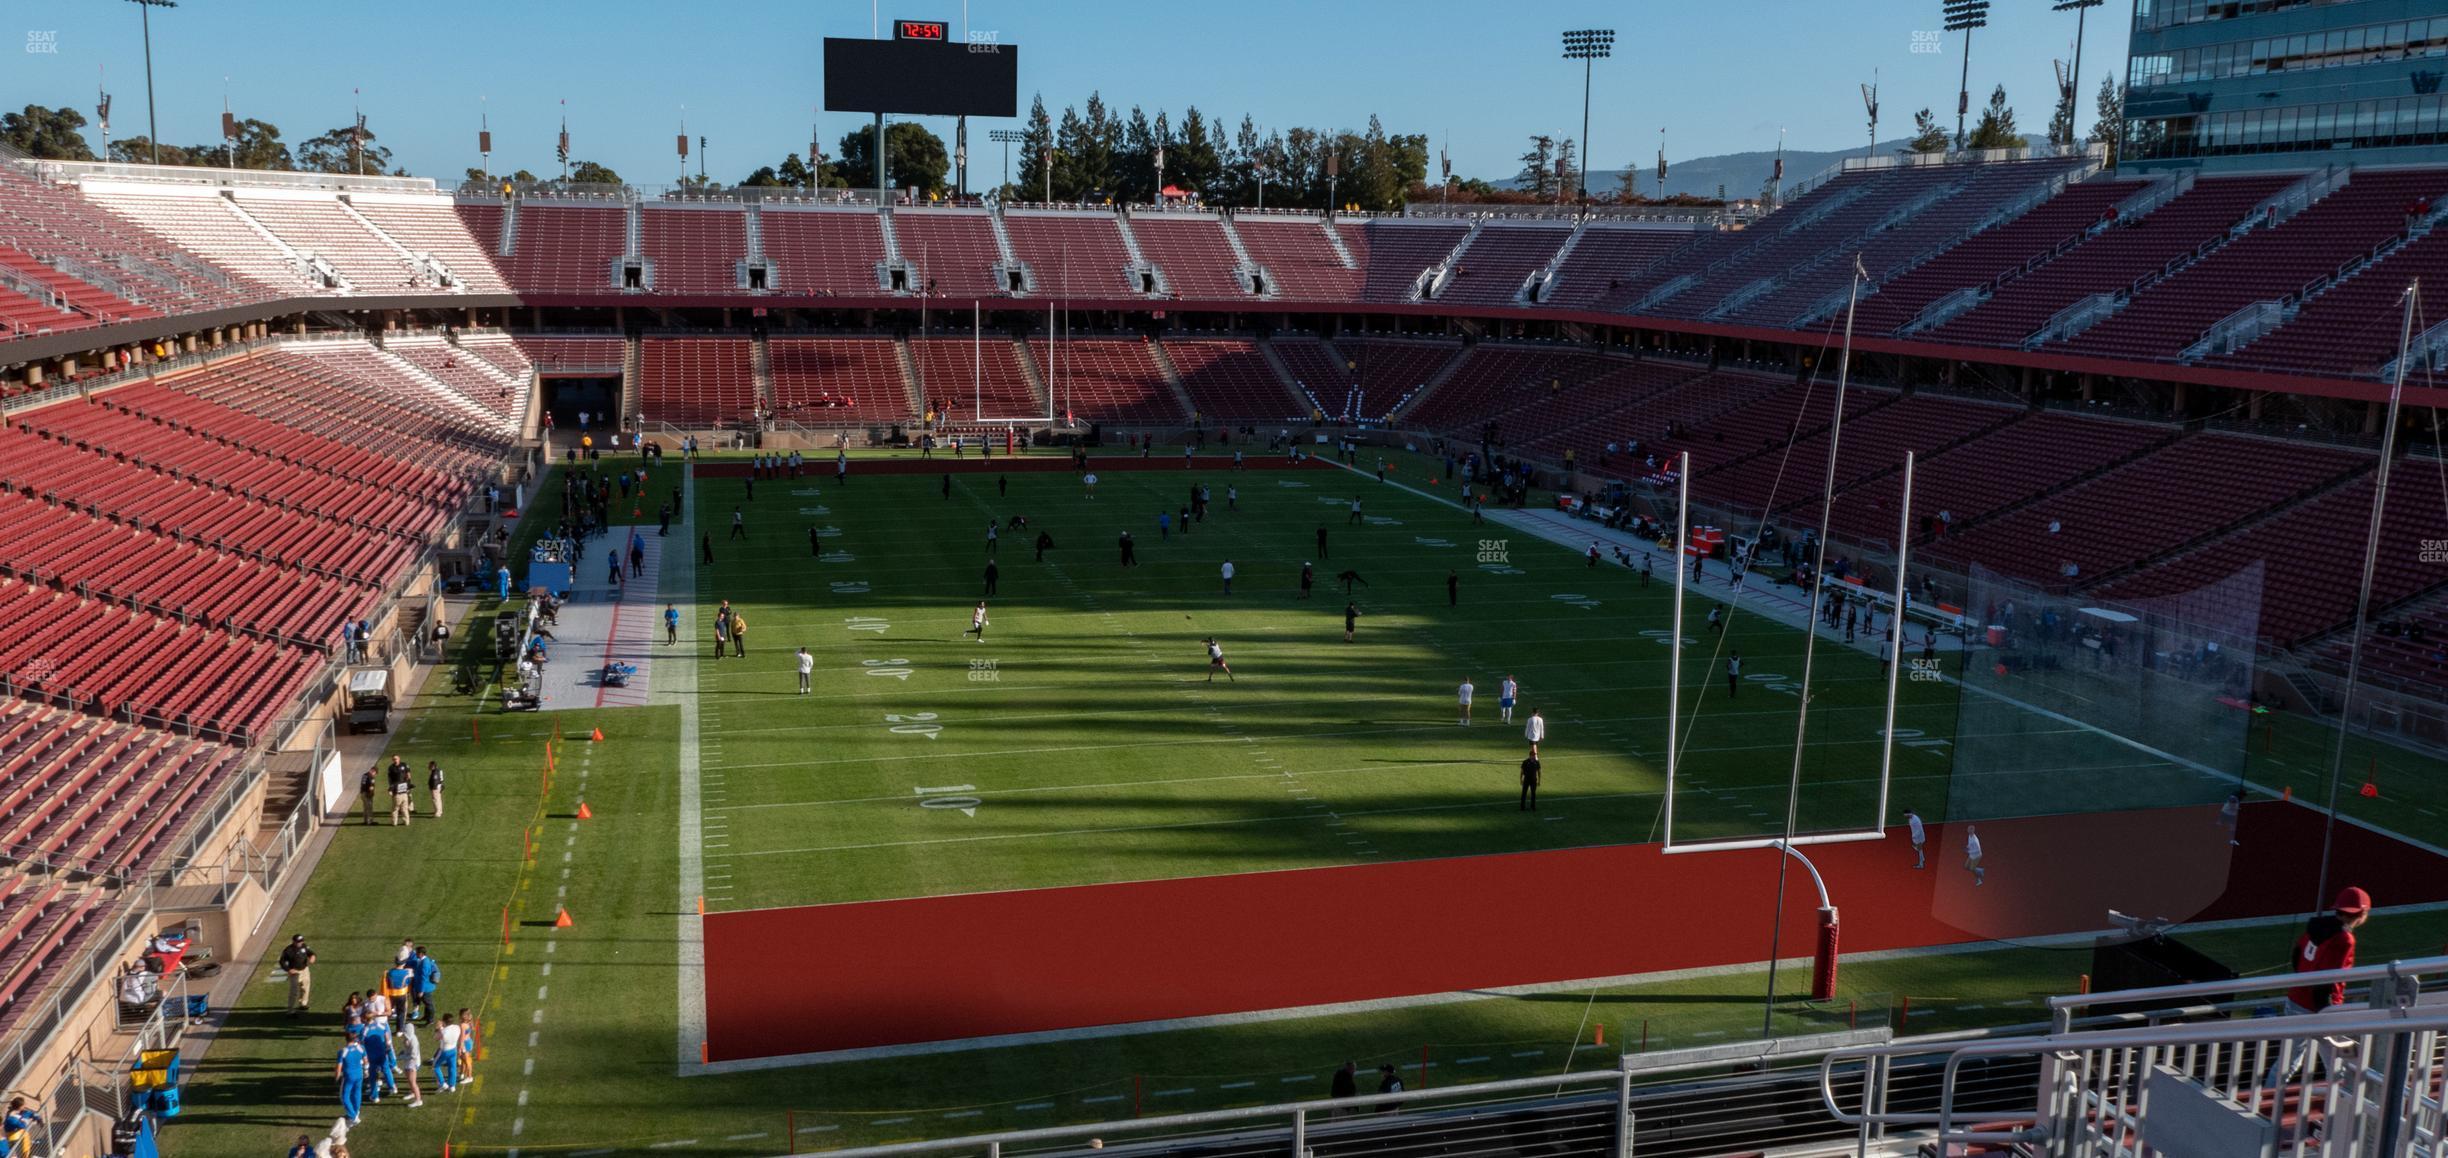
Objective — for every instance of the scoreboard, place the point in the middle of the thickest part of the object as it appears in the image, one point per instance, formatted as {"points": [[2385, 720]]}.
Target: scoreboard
{"points": [[921, 71]]}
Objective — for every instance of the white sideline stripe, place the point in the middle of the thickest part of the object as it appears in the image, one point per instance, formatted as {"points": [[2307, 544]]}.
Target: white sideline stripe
{"points": [[1379, 1005], [677, 571]]}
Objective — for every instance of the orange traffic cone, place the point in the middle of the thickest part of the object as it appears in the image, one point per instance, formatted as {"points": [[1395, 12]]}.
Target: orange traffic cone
{"points": [[561, 920], [583, 813], [2371, 790], [598, 737]]}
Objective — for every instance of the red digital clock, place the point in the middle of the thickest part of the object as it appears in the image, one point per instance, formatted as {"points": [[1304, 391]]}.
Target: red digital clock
{"points": [[919, 30]]}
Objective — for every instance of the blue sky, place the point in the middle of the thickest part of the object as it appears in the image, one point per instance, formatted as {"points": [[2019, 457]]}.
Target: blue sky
{"points": [[1478, 74]]}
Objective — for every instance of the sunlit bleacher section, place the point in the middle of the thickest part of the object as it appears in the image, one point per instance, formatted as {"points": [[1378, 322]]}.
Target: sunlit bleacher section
{"points": [[1193, 253], [952, 251], [818, 382], [695, 249], [1073, 254], [70, 264], [971, 380], [823, 251], [698, 381], [566, 247], [1299, 253]]}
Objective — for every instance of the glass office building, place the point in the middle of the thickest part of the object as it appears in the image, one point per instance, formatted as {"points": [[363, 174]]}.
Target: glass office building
{"points": [[2276, 83]]}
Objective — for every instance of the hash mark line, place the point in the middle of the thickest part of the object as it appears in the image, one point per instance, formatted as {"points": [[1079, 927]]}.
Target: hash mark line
{"points": [[965, 1113], [891, 1121], [1301, 1078], [1083, 1101], [678, 1142], [1174, 1093], [1236, 1085], [1529, 1053], [1032, 1106], [1471, 1061], [743, 1137]]}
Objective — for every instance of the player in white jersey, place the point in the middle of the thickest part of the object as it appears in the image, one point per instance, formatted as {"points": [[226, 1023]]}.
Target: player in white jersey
{"points": [[1506, 692], [1463, 693], [1920, 837]]}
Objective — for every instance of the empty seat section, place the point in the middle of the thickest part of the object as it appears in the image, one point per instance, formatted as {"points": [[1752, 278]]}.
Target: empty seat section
{"points": [[1298, 254], [1072, 255], [1231, 380], [953, 251], [697, 381], [1192, 251], [837, 380], [568, 248], [823, 251], [694, 249]]}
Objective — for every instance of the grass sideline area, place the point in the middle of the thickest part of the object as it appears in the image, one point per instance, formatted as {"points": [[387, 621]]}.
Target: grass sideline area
{"points": [[1089, 762]]}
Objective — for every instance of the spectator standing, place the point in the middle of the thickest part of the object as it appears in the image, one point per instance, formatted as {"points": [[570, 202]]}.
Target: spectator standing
{"points": [[807, 668], [1529, 783], [433, 785]]}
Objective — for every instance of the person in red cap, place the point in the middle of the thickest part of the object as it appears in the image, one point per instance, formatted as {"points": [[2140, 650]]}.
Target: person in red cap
{"points": [[2328, 942]]}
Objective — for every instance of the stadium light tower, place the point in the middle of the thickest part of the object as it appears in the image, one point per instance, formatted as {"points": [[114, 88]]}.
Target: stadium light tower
{"points": [[1964, 16], [2080, 8], [1005, 137], [152, 126], [1586, 45]]}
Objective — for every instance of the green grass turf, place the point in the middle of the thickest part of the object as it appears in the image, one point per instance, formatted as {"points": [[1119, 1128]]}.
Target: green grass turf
{"points": [[1095, 753]]}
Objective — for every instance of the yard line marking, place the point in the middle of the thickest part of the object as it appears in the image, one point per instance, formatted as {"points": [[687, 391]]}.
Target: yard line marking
{"points": [[538, 1019], [743, 1137], [1083, 1101], [1301, 1078], [542, 991], [528, 1070], [671, 1144], [2020, 1003], [802, 1129], [891, 1121], [547, 969], [1709, 1033], [964, 1113], [1236, 1085], [531, 1038], [1529, 1053], [522, 1098], [1174, 1093], [550, 945], [518, 1126], [1471, 1061]]}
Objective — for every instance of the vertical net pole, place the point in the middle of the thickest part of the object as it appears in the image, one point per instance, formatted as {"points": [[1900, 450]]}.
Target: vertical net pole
{"points": [[1674, 639], [1895, 646]]}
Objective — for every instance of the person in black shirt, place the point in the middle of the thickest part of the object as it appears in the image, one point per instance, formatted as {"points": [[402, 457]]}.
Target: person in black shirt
{"points": [[298, 962], [1529, 783]]}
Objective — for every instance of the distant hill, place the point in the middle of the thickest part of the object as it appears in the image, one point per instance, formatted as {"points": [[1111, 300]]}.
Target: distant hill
{"points": [[1742, 174]]}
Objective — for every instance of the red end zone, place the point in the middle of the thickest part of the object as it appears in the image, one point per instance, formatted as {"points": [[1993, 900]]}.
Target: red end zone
{"points": [[835, 977]]}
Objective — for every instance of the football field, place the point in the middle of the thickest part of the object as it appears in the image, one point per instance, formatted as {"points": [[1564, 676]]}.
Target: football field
{"points": [[1073, 787], [1084, 738]]}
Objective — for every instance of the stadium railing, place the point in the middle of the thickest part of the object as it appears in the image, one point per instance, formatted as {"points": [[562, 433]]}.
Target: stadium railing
{"points": [[63, 171], [2359, 1077], [1590, 1114]]}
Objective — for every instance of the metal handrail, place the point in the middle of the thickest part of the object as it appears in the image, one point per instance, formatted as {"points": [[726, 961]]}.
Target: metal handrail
{"points": [[2394, 970]]}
